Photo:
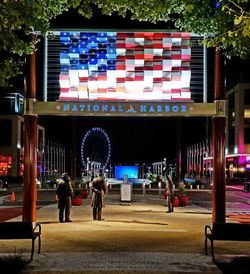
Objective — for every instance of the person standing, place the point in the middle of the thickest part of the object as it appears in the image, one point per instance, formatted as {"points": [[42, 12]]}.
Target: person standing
{"points": [[64, 194], [169, 191], [98, 190]]}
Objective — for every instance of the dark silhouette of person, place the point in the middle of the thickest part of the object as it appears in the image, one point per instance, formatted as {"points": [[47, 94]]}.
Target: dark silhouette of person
{"points": [[64, 194], [98, 190]]}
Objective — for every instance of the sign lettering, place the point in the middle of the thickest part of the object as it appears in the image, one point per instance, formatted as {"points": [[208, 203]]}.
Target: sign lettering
{"points": [[124, 108]]}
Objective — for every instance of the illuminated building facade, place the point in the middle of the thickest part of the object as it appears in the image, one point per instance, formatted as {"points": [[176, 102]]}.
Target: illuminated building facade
{"points": [[238, 131], [199, 156], [12, 137]]}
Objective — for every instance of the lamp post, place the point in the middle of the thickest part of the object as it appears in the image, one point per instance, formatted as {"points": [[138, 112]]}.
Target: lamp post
{"points": [[165, 163], [88, 166], [219, 137]]}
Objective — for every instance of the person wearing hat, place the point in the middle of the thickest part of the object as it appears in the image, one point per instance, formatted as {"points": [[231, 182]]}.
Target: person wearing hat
{"points": [[98, 190], [64, 193]]}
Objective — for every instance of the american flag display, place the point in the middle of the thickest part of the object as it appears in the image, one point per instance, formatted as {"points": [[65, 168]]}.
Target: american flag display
{"points": [[125, 66]]}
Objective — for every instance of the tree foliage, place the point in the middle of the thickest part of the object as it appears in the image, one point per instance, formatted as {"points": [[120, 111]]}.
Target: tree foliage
{"points": [[224, 23], [17, 19]]}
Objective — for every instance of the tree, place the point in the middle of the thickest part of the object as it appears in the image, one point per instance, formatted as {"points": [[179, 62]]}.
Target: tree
{"points": [[17, 19], [224, 23]]}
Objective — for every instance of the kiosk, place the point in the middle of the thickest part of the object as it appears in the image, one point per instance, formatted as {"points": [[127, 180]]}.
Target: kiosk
{"points": [[126, 190]]}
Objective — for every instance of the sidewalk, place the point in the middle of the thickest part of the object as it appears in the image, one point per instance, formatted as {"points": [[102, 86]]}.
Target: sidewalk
{"points": [[135, 237]]}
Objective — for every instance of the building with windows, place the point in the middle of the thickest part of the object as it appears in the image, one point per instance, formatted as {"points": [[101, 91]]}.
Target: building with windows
{"points": [[199, 156], [12, 137], [11, 145], [238, 131], [50, 155]]}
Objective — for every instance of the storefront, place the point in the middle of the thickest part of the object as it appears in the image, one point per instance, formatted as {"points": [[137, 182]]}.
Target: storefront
{"points": [[5, 165]]}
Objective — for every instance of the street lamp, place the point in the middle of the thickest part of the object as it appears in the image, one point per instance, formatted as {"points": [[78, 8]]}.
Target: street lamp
{"points": [[87, 165], [165, 162]]}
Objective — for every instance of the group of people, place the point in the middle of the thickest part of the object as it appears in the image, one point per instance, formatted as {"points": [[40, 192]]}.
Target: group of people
{"points": [[65, 194]]}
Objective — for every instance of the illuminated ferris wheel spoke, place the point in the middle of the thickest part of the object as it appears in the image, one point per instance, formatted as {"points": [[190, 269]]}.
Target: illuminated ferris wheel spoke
{"points": [[95, 146]]}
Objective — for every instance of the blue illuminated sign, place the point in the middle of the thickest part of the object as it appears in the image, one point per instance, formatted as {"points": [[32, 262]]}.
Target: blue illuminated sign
{"points": [[121, 108], [130, 171]]}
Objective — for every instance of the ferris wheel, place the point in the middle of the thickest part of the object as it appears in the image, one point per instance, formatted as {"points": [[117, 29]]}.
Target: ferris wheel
{"points": [[95, 146]]}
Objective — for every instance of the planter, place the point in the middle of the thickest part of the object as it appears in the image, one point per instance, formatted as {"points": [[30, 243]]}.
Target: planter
{"points": [[84, 194], [183, 200], [176, 202], [164, 195], [76, 201]]}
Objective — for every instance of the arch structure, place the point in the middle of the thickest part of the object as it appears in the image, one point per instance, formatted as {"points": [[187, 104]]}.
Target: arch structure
{"points": [[75, 56]]}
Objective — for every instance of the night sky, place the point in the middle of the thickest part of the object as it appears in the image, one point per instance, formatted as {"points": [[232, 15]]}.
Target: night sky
{"points": [[133, 140]]}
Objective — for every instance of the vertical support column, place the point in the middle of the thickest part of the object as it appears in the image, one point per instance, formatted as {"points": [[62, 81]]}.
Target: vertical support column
{"points": [[63, 160], [54, 156], [57, 161], [144, 188], [60, 160], [159, 189], [191, 161], [73, 149], [30, 140], [178, 150], [218, 138]]}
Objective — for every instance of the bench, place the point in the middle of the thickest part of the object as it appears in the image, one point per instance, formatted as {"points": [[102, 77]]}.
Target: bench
{"points": [[225, 232], [21, 230]]}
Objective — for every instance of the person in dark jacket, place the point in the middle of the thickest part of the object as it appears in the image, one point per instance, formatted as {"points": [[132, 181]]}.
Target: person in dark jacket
{"points": [[64, 194], [99, 189]]}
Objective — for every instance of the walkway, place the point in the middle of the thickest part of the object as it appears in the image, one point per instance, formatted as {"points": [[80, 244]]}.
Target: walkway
{"points": [[136, 237]]}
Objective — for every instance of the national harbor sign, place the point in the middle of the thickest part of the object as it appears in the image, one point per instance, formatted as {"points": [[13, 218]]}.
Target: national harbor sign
{"points": [[128, 109]]}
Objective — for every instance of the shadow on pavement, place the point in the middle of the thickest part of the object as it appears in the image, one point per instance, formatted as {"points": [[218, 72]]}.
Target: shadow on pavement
{"points": [[237, 265]]}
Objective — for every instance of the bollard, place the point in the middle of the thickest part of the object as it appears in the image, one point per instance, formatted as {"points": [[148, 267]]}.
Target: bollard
{"points": [[143, 189], [159, 186], [13, 197]]}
